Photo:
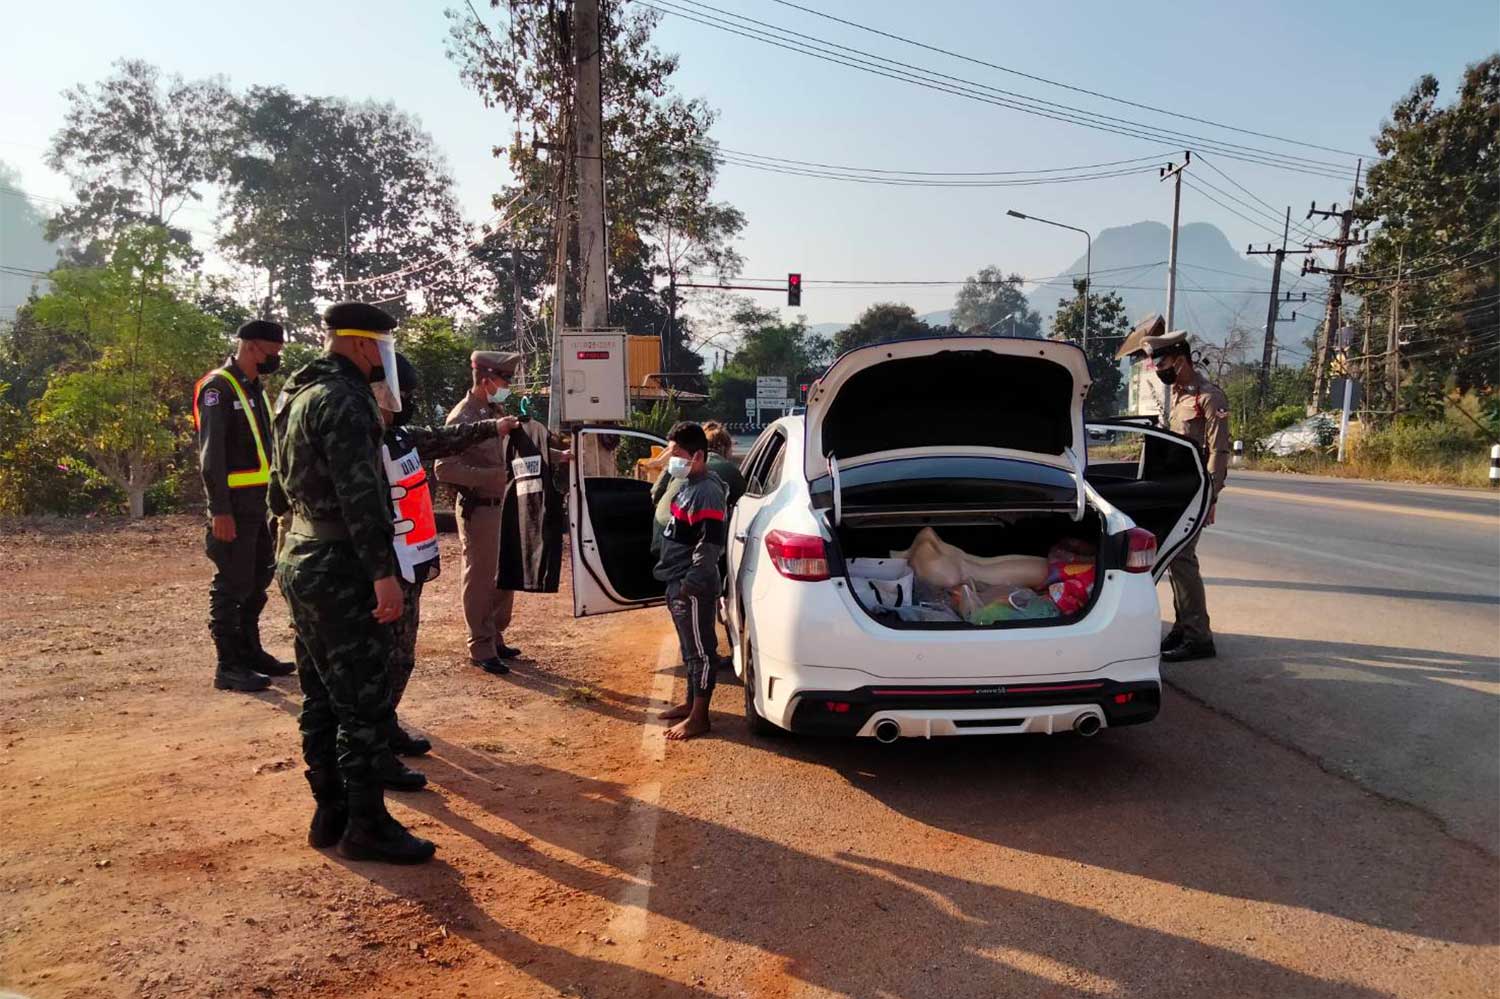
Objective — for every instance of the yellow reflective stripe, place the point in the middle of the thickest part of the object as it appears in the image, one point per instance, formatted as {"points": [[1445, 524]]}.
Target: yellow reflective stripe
{"points": [[367, 334], [255, 476]]}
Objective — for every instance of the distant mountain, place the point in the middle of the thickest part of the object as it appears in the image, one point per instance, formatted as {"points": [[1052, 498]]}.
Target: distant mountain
{"points": [[829, 330], [22, 245], [1217, 287], [943, 317]]}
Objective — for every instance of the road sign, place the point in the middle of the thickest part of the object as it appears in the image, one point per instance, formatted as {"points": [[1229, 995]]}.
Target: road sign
{"points": [[750, 407], [770, 387]]}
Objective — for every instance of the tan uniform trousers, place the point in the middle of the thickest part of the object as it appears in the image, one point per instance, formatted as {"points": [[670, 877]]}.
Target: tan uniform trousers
{"points": [[487, 610], [1189, 601]]}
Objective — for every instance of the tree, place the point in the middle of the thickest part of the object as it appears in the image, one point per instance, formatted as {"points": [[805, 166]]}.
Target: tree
{"points": [[1108, 326], [440, 353], [658, 166], [1437, 195], [767, 346], [136, 148], [990, 302], [338, 200], [123, 404], [879, 323]]}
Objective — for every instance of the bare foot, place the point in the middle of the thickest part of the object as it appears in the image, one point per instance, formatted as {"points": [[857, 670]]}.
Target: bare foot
{"points": [[688, 728], [673, 714]]}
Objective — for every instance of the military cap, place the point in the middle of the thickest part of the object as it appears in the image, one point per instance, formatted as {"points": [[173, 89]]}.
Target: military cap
{"points": [[261, 329], [1152, 325], [360, 317], [1168, 343], [495, 362]]}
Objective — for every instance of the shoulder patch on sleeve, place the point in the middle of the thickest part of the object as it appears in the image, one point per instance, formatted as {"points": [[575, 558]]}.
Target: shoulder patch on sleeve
{"points": [[210, 397]]}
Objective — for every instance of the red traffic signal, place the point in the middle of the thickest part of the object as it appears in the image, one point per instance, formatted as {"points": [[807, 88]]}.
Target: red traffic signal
{"points": [[794, 289]]}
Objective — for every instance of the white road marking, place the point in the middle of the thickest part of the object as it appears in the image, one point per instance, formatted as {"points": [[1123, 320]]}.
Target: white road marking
{"points": [[628, 927], [1422, 572]]}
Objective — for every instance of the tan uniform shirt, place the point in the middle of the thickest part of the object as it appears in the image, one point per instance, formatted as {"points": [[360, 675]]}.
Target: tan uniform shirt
{"points": [[1200, 412], [481, 470]]}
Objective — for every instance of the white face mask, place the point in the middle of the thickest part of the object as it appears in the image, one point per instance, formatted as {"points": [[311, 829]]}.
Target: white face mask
{"points": [[499, 395], [678, 467]]}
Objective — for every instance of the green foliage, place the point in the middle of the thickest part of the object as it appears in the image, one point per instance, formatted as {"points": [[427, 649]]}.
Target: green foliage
{"points": [[878, 324], [989, 300], [440, 353], [117, 403], [657, 421], [320, 191], [1284, 416], [658, 160], [1436, 193], [1108, 325], [767, 346], [137, 148]]}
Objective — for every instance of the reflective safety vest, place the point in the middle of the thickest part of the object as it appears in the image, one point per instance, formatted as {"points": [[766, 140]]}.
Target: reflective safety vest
{"points": [[244, 478], [411, 502]]}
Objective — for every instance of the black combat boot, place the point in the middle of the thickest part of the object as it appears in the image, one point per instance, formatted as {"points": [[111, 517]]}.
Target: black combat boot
{"points": [[397, 776], [403, 743], [332, 813], [1171, 639], [256, 657], [232, 673], [373, 835]]}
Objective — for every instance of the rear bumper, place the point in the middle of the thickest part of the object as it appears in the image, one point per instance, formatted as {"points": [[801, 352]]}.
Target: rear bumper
{"points": [[950, 710]]}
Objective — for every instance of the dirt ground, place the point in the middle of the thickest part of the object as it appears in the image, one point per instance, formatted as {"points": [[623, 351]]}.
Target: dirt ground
{"points": [[152, 832], [152, 838]]}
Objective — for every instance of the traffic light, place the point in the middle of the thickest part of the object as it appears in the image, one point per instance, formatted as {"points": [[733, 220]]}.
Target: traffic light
{"points": [[794, 289]]}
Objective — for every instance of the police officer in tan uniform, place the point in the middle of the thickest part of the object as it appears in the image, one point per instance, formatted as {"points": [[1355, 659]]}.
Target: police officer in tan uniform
{"points": [[1200, 412], [480, 476]]}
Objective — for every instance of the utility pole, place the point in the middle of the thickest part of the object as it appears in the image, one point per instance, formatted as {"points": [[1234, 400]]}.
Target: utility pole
{"points": [[1275, 306], [517, 324], [1331, 320], [587, 98], [1174, 171], [1393, 339]]}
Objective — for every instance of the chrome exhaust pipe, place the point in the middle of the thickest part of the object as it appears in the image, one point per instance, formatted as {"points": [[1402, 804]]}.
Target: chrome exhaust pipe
{"points": [[1087, 725], [887, 731]]}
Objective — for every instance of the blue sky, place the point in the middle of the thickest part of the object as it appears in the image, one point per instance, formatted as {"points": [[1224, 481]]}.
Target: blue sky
{"points": [[1324, 73]]}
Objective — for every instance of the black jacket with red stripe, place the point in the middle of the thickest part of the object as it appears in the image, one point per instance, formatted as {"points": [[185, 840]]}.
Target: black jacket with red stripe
{"points": [[694, 539]]}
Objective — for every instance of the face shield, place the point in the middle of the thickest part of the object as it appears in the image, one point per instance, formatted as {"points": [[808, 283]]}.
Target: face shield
{"points": [[385, 381]]}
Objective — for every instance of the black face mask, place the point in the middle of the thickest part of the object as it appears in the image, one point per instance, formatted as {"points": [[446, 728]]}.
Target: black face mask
{"points": [[403, 417], [269, 364], [377, 374], [1167, 375]]}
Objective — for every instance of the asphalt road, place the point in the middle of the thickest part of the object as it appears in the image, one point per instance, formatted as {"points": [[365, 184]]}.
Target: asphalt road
{"points": [[1360, 624]]}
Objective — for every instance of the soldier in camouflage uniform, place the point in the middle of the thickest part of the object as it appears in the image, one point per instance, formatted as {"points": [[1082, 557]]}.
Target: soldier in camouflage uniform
{"points": [[406, 448], [1200, 412], [338, 573]]}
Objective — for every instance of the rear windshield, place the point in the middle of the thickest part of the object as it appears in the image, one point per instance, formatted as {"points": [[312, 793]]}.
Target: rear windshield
{"points": [[955, 398]]}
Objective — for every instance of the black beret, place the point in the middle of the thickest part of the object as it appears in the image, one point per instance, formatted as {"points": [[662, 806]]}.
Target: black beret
{"points": [[406, 373], [261, 329], [359, 316]]}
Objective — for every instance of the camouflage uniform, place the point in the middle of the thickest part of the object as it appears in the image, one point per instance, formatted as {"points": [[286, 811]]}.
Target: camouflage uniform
{"points": [[1200, 412], [429, 443], [328, 474]]}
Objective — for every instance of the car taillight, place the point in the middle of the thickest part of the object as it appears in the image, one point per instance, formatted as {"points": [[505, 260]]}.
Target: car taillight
{"points": [[1140, 550], [798, 556]]}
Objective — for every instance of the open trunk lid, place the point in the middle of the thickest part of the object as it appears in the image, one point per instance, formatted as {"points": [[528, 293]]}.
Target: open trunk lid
{"points": [[960, 395], [891, 408]]}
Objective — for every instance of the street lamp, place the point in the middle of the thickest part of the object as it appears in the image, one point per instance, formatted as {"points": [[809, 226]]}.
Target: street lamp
{"points": [[1088, 263]]}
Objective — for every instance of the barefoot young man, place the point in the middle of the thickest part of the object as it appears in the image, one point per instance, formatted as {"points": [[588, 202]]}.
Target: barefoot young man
{"points": [[689, 565]]}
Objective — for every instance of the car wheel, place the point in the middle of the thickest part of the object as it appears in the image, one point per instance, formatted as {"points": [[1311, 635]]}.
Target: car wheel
{"points": [[753, 720]]}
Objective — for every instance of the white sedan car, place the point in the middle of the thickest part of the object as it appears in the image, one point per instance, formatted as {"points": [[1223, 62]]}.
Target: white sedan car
{"points": [[980, 439]]}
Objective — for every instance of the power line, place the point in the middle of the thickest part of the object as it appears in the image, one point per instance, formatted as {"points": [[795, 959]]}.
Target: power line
{"points": [[1275, 212], [929, 79], [915, 182], [936, 173], [1058, 83]]}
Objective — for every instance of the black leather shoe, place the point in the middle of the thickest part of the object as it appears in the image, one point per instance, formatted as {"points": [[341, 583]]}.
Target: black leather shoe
{"points": [[493, 665], [1171, 639], [507, 652], [1189, 651], [403, 743], [237, 677], [372, 834], [397, 776], [268, 664]]}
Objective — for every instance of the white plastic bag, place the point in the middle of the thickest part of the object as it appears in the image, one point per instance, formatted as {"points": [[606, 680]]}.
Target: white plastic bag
{"points": [[881, 582]]}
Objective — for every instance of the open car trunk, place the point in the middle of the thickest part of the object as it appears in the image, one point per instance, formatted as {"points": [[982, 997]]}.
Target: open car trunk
{"points": [[1004, 570]]}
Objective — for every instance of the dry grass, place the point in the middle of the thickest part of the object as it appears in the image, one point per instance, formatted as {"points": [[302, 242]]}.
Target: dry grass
{"points": [[1472, 473]]}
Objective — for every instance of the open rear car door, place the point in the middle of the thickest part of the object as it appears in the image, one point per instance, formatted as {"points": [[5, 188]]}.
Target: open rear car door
{"points": [[610, 515], [1155, 477]]}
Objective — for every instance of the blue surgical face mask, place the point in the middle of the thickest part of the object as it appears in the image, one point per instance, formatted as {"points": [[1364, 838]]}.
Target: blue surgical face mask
{"points": [[678, 467], [499, 395]]}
